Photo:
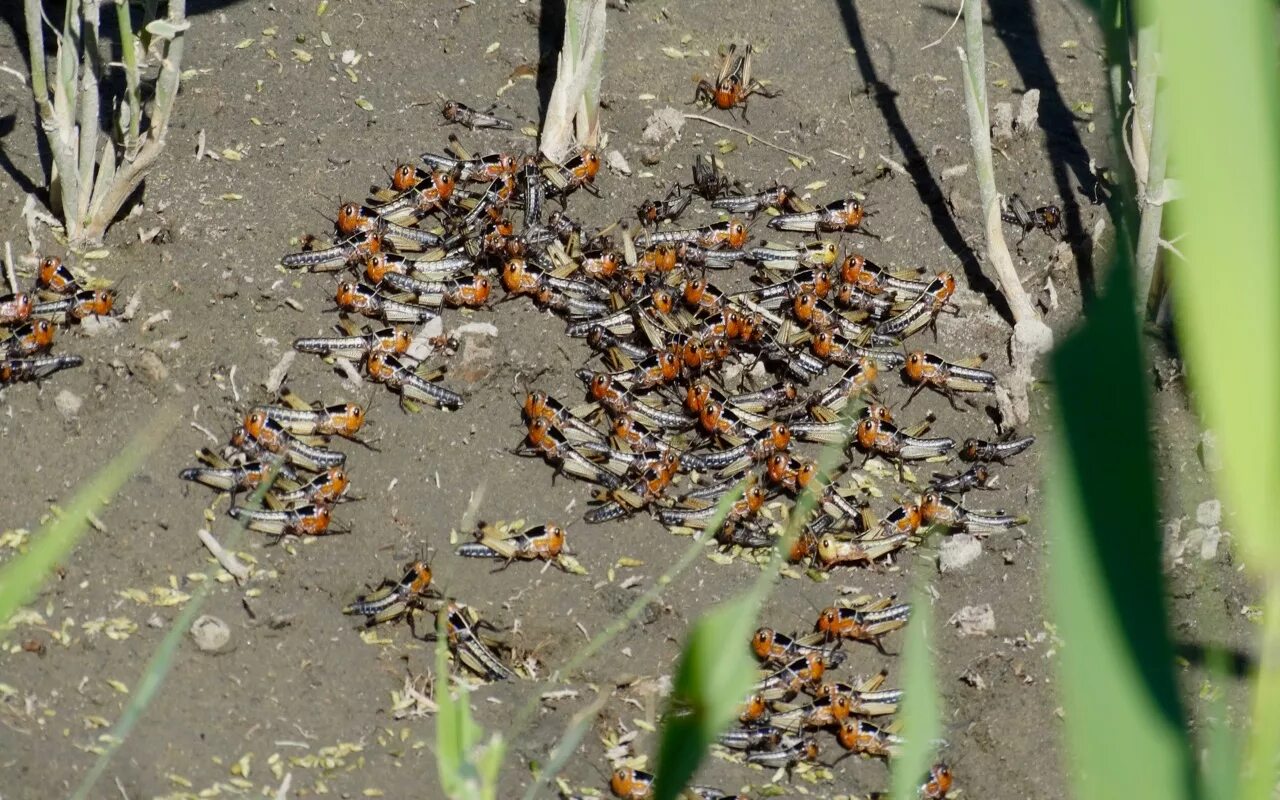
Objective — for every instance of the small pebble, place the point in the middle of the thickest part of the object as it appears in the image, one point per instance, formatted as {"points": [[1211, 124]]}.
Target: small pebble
{"points": [[974, 620], [1209, 513], [1028, 112], [1209, 545], [617, 162], [958, 552], [663, 127], [1002, 124], [67, 403], [151, 368], [210, 633]]}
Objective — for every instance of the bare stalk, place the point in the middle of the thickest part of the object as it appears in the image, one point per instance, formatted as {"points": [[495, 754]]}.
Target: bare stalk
{"points": [[1031, 337], [87, 103], [1151, 201], [1144, 105], [973, 57], [575, 98], [54, 122], [132, 96], [170, 72], [1149, 152]]}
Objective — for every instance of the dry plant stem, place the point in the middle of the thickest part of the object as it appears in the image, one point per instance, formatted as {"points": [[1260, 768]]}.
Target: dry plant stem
{"points": [[130, 173], [226, 558], [1149, 152], [1144, 106], [89, 190], [55, 126], [574, 103], [751, 137], [1151, 201], [133, 97], [973, 58], [87, 105], [587, 120]]}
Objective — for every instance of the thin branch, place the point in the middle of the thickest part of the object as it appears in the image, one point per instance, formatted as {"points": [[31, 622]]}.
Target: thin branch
{"points": [[951, 27], [751, 137], [225, 557]]}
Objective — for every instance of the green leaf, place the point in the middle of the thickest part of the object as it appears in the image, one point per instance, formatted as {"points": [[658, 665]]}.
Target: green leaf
{"points": [[1124, 721], [715, 674], [921, 713], [456, 732], [1226, 148]]}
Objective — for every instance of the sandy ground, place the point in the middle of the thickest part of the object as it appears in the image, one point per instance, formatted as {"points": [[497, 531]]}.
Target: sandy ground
{"points": [[299, 690]]}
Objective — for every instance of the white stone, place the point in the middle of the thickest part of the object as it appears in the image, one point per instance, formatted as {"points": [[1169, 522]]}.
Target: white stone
{"points": [[974, 620], [958, 552], [616, 162], [210, 633], [1209, 513], [67, 403]]}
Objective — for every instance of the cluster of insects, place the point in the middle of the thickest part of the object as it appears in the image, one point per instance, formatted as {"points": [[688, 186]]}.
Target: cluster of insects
{"points": [[281, 449], [437, 238], [716, 363], [29, 321], [476, 644], [702, 394], [778, 730]]}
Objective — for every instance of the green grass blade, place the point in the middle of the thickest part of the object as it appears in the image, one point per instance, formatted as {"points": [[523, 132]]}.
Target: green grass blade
{"points": [[1226, 147], [715, 673], [162, 659], [456, 732], [1227, 293], [1124, 722], [21, 579], [921, 713], [1222, 745], [567, 746]]}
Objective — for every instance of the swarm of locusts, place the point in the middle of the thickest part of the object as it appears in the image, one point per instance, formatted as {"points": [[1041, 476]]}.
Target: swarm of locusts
{"points": [[29, 321], [716, 363]]}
